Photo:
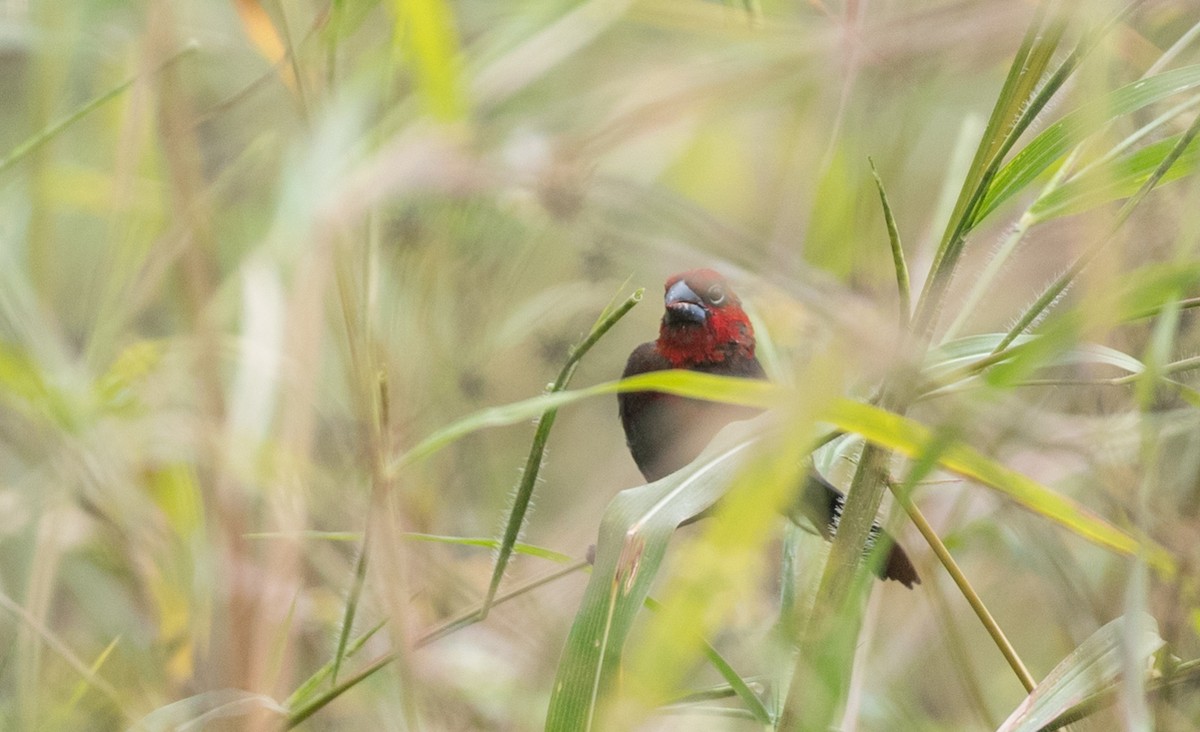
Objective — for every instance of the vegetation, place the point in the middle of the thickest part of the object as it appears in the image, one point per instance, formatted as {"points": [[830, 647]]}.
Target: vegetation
{"points": [[284, 284]]}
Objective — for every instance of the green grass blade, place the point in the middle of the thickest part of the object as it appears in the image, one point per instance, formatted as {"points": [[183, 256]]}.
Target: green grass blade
{"points": [[1058, 139], [482, 542], [1023, 111], [1029, 64], [347, 624], [21, 151], [1119, 178], [912, 439], [634, 533], [537, 450], [1052, 293], [746, 392], [1091, 668], [897, 250], [736, 684]]}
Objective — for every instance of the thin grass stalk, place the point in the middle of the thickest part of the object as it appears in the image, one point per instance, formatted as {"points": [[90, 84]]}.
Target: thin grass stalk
{"points": [[310, 685], [294, 61], [960, 657], [537, 450], [964, 586], [90, 675], [829, 639], [903, 493], [381, 483]]}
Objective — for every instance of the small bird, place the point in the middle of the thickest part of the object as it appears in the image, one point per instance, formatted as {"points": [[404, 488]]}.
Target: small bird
{"points": [[705, 329]]}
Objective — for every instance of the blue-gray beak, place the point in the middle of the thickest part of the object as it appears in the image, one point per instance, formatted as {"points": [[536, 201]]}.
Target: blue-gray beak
{"points": [[684, 305]]}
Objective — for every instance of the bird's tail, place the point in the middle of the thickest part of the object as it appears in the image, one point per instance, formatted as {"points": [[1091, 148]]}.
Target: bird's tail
{"points": [[822, 504]]}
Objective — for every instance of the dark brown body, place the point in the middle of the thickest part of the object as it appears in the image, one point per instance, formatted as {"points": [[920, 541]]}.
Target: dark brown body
{"points": [[666, 432]]}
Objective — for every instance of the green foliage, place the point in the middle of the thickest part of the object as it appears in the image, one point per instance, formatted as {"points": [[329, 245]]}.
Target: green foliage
{"points": [[283, 285]]}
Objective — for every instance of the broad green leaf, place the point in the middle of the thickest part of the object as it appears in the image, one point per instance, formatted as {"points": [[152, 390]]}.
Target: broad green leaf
{"points": [[634, 533], [1058, 139], [1091, 668], [1119, 178], [912, 439]]}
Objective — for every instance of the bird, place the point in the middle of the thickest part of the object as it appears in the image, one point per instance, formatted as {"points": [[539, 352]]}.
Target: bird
{"points": [[705, 329]]}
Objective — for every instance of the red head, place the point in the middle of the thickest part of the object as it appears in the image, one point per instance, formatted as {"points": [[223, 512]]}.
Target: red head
{"points": [[704, 322]]}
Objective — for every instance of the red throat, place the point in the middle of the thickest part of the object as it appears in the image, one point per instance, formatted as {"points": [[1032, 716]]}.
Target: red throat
{"points": [[726, 334]]}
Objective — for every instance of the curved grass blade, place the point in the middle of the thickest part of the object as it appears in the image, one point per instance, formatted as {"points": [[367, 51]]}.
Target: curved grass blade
{"points": [[1186, 673], [1091, 668], [910, 438], [207, 710], [1058, 139], [634, 533], [728, 389]]}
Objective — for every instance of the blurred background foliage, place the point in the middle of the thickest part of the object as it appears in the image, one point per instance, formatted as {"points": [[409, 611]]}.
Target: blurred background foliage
{"points": [[225, 224]]}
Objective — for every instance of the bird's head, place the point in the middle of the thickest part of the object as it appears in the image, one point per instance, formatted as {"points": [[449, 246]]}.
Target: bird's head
{"points": [[703, 322]]}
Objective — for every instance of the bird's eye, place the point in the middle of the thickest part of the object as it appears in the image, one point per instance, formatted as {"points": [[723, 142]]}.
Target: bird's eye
{"points": [[716, 294]]}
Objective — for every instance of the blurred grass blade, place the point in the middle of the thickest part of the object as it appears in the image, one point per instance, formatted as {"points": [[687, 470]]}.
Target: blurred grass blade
{"points": [[482, 542], [1058, 139], [1119, 178], [261, 31], [425, 34], [18, 153], [1091, 668], [487, 543], [634, 533], [82, 687], [897, 250], [205, 711], [537, 450], [912, 439]]}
